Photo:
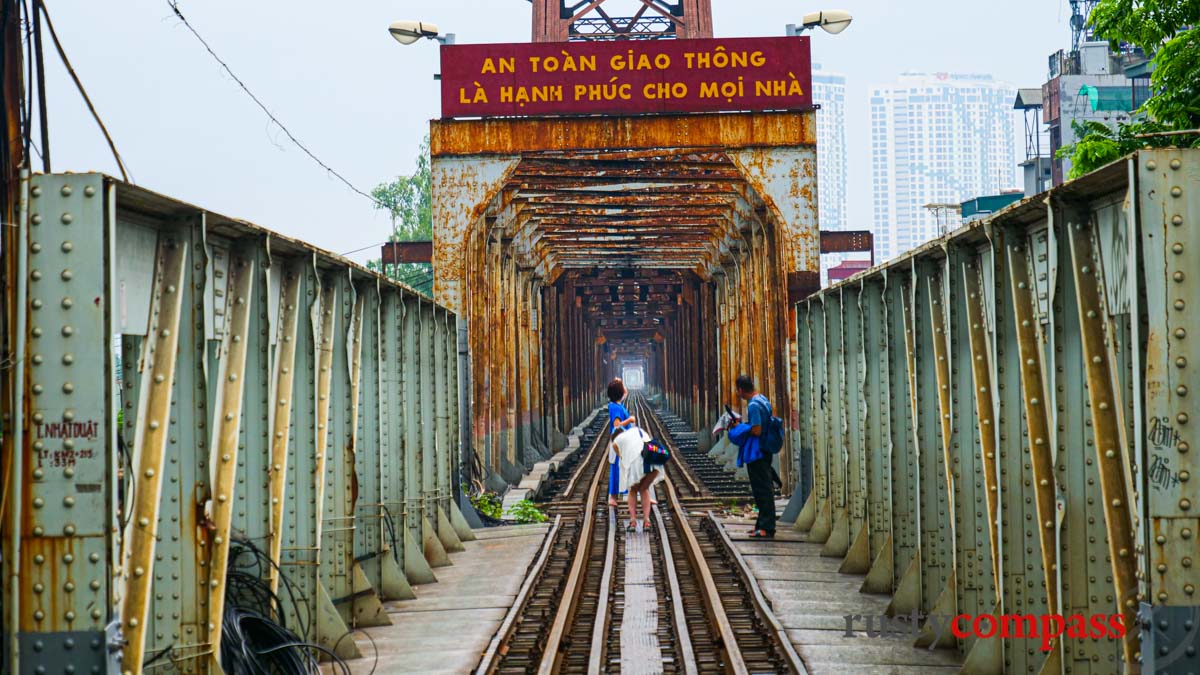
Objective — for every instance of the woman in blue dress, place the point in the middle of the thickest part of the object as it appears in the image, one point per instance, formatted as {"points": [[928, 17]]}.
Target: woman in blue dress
{"points": [[618, 419]]}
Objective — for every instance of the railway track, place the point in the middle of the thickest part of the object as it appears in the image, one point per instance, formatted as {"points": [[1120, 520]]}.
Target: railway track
{"points": [[586, 604]]}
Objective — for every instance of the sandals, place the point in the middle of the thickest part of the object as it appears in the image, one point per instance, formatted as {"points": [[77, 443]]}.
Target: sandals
{"points": [[762, 534]]}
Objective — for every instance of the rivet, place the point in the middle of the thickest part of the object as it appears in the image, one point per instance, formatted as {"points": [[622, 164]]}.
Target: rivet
{"points": [[1175, 164], [67, 246], [1185, 504], [89, 191], [95, 557], [1181, 362], [39, 559], [1180, 333], [69, 530], [38, 502], [1178, 276], [153, 424], [95, 585], [164, 333], [67, 274], [66, 191], [1183, 446], [69, 587], [38, 588], [1162, 596], [1179, 305], [36, 191], [1189, 589], [149, 473], [1186, 562], [1176, 191], [144, 521], [138, 571], [1184, 476], [37, 332], [1116, 503], [68, 415], [1151, 165], [96, 614], [36, 304], [39, 615], [1176, 220], [35, 275], [38, 389], [1182, 418], [68, 387], [68, 558], [69, 472], [68, 501], [67, 331], [35, 247], [38, 474], [66, 303], [1162, 569], [37, 359], [1186, 533], [67, 219]]}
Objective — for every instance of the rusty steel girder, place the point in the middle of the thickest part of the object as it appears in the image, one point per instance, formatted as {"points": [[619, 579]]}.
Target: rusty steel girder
{"points": [[678, 241]]}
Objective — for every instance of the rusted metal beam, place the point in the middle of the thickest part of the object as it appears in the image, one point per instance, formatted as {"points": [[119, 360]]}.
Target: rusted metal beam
{"points": [[397, 252], [848, 241], [517, 135]]}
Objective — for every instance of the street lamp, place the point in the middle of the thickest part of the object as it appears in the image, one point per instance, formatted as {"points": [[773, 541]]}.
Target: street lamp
{"points": [[832, 21], [408, 32]]}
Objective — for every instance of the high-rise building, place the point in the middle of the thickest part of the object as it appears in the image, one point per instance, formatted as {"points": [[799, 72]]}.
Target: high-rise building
{"points": [[829, 92], [936, 140]]}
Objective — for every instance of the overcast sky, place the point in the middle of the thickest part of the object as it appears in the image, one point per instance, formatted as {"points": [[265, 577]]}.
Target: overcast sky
{"points": [[361, 102]]}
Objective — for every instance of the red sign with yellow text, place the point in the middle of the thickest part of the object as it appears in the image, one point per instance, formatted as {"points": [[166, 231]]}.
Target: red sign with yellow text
{"points": [[628, 77]]}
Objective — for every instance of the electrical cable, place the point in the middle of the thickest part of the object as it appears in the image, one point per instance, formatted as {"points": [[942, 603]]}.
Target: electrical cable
{"points": [[62, 54], [174, 4]]}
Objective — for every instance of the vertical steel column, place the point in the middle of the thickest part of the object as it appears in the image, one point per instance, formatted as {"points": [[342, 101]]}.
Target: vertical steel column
{"points": [[1100, 369], [281, 412], [60, 422], [227, 419], [1033, 386], [158, 376], [982, 366]]}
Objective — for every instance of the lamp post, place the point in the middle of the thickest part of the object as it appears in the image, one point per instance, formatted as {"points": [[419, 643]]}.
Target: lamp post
{"points": [[408, 32], [832, 21]]}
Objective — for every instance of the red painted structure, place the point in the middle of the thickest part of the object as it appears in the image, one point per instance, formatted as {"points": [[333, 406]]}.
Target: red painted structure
{"points": [[624, 78]]}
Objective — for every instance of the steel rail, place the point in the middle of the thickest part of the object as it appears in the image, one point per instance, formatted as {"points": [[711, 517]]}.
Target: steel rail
{"points": [[684, 639], [760, 601], [491, 657], [718, 620], [600, 626], [551, 654]]}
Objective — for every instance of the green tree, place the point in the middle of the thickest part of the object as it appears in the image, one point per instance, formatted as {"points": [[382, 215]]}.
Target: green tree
{"points": [[409, 202], [1170, 31]]}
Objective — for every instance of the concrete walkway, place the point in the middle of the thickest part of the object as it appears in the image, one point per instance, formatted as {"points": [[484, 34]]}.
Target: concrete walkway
{"points": [[811, 599], [449, 625]]}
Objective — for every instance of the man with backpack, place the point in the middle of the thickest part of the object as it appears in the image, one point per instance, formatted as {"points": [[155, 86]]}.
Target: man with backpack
{"points": [[762, 442]]}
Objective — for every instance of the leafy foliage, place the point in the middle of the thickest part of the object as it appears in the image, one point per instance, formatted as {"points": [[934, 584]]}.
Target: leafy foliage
{"points": [[408, 199], [409, 202], [1170, 30], [526, 511], [488, 503]]}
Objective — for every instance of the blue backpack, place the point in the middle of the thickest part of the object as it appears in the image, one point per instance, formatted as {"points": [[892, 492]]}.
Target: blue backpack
{"points": [[771, 440]]}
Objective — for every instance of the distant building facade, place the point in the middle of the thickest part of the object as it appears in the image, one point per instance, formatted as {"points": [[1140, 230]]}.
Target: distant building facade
{"points": [[936, 141], [1090, 84], [829, 92]]}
